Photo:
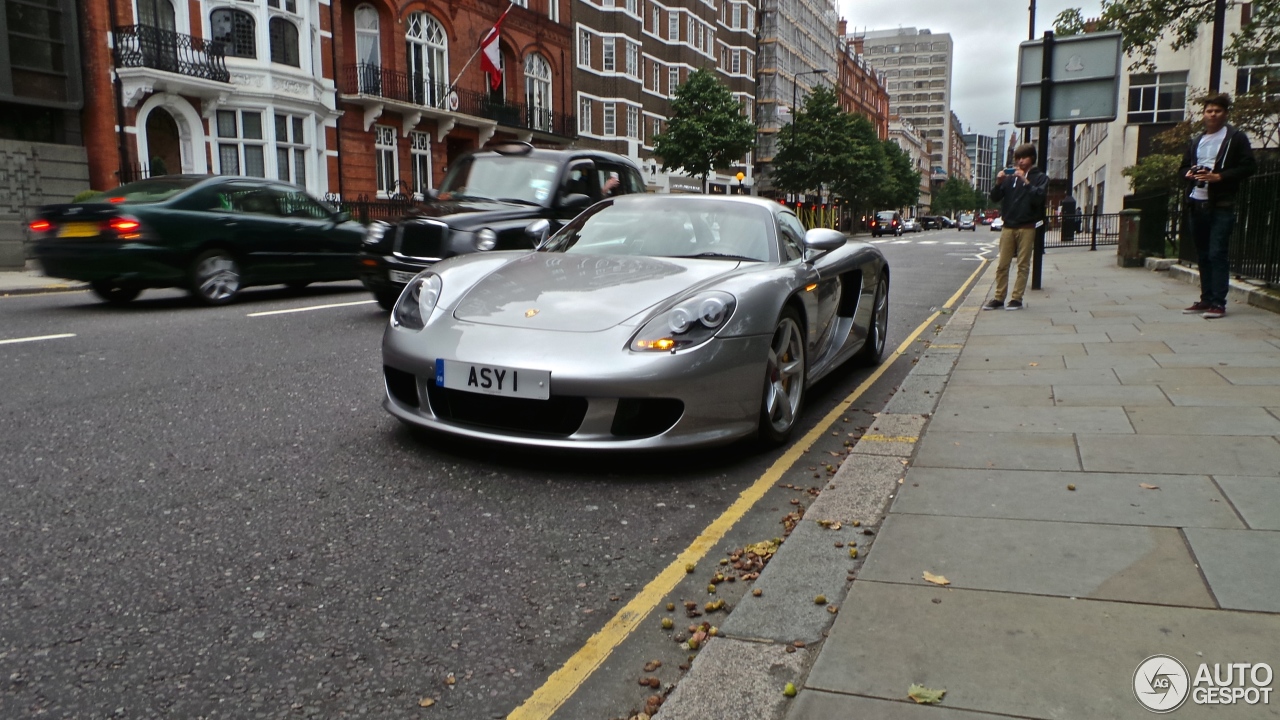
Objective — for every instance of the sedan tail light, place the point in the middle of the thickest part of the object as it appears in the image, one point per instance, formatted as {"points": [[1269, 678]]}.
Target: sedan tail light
{"points": [[126, 228], [40, 225]]}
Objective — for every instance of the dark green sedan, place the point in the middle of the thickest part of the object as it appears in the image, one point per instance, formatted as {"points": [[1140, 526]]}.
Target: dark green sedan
{"points": [[211, 235]]}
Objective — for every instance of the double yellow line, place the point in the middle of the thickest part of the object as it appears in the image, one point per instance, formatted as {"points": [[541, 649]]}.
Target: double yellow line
{"points": [[565, 681]]}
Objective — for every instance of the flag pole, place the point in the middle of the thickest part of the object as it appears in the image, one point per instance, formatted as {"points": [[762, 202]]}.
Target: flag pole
{"points": [[454, 85]]}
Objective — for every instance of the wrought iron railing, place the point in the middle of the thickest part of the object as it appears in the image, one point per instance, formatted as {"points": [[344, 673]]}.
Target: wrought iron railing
{"points": [[1088, 231], [366, 210], [159, 49], [384, 82]]}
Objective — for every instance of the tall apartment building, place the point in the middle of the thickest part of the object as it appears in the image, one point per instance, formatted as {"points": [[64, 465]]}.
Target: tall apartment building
{"points": [[861, 88], [42, 157], [630, 57], [917, 68], [340, 96], [797, 50], [958, 165], [982, 159]]}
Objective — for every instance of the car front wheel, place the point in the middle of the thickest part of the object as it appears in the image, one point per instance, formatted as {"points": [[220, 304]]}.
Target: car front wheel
{"points": [[215, 278], [784, 378]]}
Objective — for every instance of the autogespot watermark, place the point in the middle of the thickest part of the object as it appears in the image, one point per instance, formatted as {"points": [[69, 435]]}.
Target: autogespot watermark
{"points": [[1162, 684]]}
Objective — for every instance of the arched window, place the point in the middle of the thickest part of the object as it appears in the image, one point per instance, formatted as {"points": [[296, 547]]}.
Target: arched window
{"points": [[284, 42], [235, 30], [368, 52], [537, 91], [427, 47], [157, 13]]}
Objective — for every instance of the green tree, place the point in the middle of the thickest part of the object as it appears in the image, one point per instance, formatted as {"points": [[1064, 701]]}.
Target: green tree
{"points": [[1145, 23], [901, 178], [955, 195], [865, 170], [817, 148], [706, 130], [1154, 173]]}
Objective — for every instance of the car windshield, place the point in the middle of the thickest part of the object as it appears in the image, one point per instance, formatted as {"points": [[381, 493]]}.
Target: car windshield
{"points": [[886, 215], [149, 191], [500, 177], [701, 229]]}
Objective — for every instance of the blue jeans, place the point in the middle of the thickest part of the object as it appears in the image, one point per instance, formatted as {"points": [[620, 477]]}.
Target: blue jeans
{"points": [[1211, 228]]}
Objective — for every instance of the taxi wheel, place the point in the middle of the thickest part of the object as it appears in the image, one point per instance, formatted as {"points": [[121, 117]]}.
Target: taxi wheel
{"points": [[215, 278], [114, 294], [386, 299]]}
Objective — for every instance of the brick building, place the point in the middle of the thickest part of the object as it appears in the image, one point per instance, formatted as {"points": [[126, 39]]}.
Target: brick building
{"points": [[860, 88], [340, 96]]}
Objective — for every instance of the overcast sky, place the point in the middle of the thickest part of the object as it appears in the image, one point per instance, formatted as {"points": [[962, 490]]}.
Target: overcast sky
{"points": [[986, 34]]}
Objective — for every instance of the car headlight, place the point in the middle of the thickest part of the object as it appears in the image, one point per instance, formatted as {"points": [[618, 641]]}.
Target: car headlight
{"points": [[486, 239], [689, 323], [416, 302], [375, 232]]}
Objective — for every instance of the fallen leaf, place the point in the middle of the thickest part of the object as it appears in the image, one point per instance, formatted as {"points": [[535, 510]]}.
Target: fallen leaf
{"points": [[1148, 486], [426, 702], [1034, 364], [936, 579], [924, 695]]}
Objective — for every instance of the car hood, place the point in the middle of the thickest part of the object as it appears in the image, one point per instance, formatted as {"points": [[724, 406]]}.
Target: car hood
{"points": [[581, 293], [494, 209]]}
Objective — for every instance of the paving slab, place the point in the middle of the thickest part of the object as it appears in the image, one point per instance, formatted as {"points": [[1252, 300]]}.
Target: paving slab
{"points": [[1111, 562], [817, 705], [1257, 499], [1222, 345], [735, 679], [980, 396], [1183, 377], [936, 362], [1110, 420], [1215, 360], [1053, 348], [1148, 347], [1034, 376], [1008, 451], [1105, 498], [1240, 566], [1114, 362], [977, 361], [1109, 396], [918, 394], [1029, 326], [1203, 421], [863, 486], [1026, 656], [1226, 396], [1174, 454], [982, 342], [1250, 376]]}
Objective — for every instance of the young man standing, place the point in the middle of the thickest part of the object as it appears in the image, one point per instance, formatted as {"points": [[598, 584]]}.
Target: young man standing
{"points": [[1021, 196], [1214, 164]]}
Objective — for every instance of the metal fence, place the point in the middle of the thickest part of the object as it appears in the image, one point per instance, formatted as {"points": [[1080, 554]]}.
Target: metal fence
{"points": [[153, 47], [1083, 231], [366, 210], [1254, 251]]}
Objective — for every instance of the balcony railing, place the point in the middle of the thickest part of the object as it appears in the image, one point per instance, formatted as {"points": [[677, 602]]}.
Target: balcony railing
{"points": [[152, 47], [384, 82]]}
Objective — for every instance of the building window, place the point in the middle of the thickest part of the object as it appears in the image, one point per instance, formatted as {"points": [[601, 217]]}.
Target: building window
{"points": [[386, 159], [735, 21], [633, 122], [428, 50], [610, 120], [36, 43], [633, 60], [368, 51], [553, 10], [291, 149], [584, 115], [724, 58], [633, 7], [235, 30], [537, 91], [606, 46], [1157, 97], [673, 80], [1260, 75], [584, 48], [657, 19], [688, 31], [657, 127], [673, 25], [284, 42], [420, 156], [287, 5], [737, 62], [241, 147]]}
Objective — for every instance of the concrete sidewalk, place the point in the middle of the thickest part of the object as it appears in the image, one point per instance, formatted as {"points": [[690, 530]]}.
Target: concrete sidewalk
{"points": [[34, 282], [1097, 477]]}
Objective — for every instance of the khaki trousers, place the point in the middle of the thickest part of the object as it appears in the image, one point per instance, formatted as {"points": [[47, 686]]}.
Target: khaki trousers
{"points": [[1023, 242]]}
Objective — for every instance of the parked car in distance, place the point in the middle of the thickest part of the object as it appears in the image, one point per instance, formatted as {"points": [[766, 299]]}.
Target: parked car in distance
{"points": [[930, 222], [886, 222], [911, 225], [997, 224], [946, 222], [649, 322], [966, 222], [485, 203], [212, 235]]}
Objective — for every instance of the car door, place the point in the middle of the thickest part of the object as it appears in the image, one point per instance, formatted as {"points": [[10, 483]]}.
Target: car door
{"points": [[821, 302], [322, 250], [251, 222]]}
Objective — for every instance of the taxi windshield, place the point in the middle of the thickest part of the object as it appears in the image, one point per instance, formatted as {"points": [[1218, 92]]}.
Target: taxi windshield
{"points": [[523, 180]]}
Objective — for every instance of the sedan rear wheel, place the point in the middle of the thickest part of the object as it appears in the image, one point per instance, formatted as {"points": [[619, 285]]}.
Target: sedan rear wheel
{"points": [[784, 379], [215, 278], [114, 294]]}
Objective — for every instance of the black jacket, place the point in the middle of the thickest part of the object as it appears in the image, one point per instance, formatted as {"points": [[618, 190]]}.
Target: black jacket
{"points": [[1022, 204], [1234, 163]]}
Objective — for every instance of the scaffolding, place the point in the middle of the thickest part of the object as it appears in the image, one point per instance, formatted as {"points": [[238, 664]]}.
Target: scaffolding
{"points": [[797, 37]]}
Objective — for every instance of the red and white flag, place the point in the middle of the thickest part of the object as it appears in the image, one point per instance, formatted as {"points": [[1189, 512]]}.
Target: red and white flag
{"points": [[490, 54]]}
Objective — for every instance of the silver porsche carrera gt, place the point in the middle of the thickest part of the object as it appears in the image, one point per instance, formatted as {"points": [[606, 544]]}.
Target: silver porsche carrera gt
{"points": [[649, 321]]}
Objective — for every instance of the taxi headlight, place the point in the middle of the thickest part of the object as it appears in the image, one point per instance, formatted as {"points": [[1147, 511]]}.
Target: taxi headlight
{"points": [[486, 239]]}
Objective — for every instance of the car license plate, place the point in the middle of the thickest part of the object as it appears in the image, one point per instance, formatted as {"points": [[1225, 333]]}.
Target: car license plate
{"points": [[399, 276], [493, 380], [78, 230]]}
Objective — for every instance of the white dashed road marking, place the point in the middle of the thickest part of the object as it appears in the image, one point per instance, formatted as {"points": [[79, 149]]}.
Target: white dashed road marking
{"points": [[313, 307], [38, 337]]}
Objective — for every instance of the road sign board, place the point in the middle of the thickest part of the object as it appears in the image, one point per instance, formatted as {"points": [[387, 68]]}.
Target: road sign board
{"points": [[1084, 80]]}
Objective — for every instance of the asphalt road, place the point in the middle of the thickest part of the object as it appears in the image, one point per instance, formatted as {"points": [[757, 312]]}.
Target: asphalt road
{"points": [[207, 514]]}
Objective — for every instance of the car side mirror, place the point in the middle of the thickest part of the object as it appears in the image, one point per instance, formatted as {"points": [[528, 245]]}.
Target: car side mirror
{"points": [[575, 201], [819, 241], [538, 230]]}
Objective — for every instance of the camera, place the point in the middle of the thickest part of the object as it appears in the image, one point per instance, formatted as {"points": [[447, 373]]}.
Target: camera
{"points": [[1201, 169], [1010, 170]]}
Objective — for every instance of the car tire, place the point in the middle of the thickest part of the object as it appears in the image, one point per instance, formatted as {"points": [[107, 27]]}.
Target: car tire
{"points": [[114, 294], [386, 299], [215, 278], [785, 373], [873, 349]]}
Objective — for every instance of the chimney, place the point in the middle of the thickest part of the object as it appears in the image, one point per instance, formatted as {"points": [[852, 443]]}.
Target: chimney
{"points": [[844, 27], [858, 45]]}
